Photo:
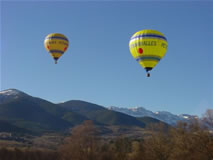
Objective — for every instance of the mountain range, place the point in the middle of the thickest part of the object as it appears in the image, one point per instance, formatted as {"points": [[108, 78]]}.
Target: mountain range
{"points": [[23, 113], [164, 116]]}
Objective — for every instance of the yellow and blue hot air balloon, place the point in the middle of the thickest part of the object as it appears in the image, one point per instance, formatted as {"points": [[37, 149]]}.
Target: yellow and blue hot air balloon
{"points": [[56, 44], [148, 47]]}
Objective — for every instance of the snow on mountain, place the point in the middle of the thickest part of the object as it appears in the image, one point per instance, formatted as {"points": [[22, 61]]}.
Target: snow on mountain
{"points": [[135, 111], [187, 116], [10, 94], [164, 116]]}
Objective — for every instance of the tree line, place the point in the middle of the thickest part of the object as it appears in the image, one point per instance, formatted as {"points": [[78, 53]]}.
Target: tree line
{"points": [[186, 141]]}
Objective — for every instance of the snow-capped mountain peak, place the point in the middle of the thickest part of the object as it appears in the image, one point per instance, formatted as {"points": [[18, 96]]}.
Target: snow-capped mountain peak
{"points": [[10, 94], [160, 115]]}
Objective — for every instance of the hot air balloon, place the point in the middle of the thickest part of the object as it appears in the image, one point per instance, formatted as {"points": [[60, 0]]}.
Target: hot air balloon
{"points": [[56, 44], [148, 47]]}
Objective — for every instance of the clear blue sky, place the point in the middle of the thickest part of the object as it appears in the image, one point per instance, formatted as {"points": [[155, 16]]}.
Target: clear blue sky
{"points": [[98, 66]]}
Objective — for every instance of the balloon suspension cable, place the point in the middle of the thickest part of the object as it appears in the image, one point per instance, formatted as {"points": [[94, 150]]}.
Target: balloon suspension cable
{"points": [[55, 61]]}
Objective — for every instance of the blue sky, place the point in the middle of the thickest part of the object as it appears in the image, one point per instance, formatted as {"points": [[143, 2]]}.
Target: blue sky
{"points": [[98, 66]]}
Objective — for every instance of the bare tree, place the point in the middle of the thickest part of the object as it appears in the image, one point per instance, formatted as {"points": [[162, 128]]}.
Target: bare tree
{"points": [[208, 117], [158, 146], [191, 142], [83, 143]]}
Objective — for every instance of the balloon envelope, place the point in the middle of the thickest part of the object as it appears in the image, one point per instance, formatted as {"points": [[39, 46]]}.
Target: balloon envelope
{"points": [[148, 47], [56, 44]]}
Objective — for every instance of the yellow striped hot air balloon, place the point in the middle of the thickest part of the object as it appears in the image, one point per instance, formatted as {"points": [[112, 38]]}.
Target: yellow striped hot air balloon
{"points": [[148, 47], [56, 44]]}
